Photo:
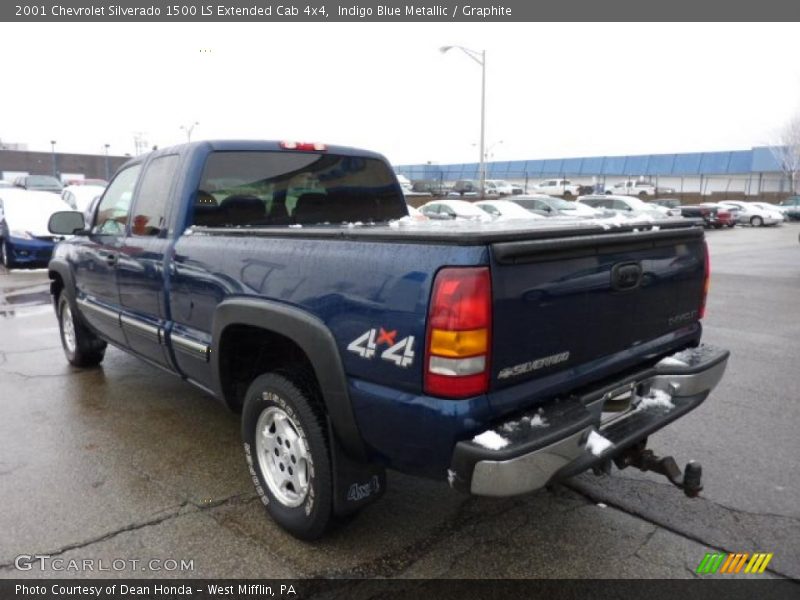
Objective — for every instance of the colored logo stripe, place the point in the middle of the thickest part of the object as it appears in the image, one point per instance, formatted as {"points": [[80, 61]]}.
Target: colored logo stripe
{"points": [[714, 562]]}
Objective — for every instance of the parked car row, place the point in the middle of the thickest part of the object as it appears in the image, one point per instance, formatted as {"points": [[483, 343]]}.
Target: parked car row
{"points": [[542, 206], [557, 187]]}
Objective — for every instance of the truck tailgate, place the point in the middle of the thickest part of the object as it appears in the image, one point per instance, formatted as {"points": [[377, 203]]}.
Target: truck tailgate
{"points": [[560, 304]]}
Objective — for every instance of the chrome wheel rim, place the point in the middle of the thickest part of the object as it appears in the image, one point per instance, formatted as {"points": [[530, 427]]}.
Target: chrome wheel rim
{"points": [[283, 456], [68, 327]]}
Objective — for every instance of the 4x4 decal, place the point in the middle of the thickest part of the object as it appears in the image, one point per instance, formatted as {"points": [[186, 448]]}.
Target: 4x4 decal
{"points": [[401, 353]]}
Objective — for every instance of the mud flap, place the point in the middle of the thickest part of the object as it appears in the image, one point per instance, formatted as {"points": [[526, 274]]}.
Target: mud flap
{"points": [[355, 484]]}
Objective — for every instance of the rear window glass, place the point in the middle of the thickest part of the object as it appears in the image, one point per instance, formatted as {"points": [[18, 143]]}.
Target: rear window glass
{"points": [[43, 181], [259, 189]]}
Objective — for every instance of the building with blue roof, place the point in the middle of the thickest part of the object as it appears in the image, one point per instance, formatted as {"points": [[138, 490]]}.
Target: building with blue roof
{"points": [[749, 172]]}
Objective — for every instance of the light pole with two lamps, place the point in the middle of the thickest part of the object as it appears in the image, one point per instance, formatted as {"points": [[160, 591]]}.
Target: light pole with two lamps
{"points": [[480, 58], [188, 129]]}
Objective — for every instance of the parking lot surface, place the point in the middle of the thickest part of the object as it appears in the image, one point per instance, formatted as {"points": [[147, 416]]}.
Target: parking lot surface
{"points": [[127, 463]]}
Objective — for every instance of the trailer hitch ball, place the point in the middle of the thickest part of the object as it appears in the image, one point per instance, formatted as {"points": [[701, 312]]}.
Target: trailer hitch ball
{"points": [[692, 479]]}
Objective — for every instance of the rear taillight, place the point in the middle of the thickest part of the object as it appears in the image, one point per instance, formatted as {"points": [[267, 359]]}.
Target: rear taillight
{"points": [[459, 331], [706, 280]]}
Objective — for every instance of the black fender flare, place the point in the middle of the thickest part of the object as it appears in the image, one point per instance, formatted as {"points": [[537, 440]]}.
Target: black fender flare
{"points": [[61, 267], [314, 338]]}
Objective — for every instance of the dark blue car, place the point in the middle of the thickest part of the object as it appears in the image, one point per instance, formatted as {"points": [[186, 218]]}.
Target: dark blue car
{"points": [[24, 238]]}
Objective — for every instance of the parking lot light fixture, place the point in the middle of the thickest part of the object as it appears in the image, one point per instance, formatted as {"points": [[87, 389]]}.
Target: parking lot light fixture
{"points": [[188, 129], [480, 58]]}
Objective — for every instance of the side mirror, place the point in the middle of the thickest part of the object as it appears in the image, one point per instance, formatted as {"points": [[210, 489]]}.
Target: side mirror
{"points": [[66, 222]]}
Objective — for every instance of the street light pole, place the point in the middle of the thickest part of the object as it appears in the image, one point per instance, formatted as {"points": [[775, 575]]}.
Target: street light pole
{"points": [[53, 152], [480, 58], [108, 170], [483, 121], [188, 129]]}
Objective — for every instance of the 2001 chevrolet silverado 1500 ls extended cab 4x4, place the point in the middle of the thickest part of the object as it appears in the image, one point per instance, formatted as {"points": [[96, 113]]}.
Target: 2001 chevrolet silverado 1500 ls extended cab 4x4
{"points": [[283, 279]]}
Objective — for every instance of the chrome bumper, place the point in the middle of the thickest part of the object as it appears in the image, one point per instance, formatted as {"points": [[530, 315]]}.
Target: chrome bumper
{"points": [[533, 456]]}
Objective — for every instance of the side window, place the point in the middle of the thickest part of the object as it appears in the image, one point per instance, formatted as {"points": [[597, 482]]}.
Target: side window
{"points": [[490, 209], [151, 207], [620, 205], [112, 214]]}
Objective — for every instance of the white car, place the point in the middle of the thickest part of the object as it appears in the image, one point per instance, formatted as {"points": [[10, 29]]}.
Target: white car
{"points": [[556, 187], [79, 197], [502, 187], [637, 188], [549, 206], [415, 213], [459, 210], [622, 206], [756, 214], [506, 210], [665, 210]]}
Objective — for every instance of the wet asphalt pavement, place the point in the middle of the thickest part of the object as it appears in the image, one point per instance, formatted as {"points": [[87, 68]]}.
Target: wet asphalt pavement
{"points": [[125, 462]]}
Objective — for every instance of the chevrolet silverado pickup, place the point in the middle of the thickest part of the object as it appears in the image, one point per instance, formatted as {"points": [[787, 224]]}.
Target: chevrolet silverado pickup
{"points": [[286, 280]]}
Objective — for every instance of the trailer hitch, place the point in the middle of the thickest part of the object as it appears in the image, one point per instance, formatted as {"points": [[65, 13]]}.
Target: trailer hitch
{"points": [[690, 481]]}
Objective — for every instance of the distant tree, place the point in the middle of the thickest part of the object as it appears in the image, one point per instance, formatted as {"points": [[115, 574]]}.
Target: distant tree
{"points": [[787, 152]]}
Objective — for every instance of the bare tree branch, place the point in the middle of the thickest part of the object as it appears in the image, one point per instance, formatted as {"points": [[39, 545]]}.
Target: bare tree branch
{"points": [[787, 152]]}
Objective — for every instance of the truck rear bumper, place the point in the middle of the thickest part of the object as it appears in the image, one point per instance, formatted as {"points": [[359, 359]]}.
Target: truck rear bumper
{"points": [[573, 434]]}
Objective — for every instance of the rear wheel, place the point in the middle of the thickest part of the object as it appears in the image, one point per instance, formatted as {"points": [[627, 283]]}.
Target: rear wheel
{"points": [[81, 347], [756, 221], [288, 455]]}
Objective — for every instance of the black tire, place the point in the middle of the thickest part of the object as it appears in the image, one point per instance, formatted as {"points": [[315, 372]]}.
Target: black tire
{"points": [[85, 349], [756, 221], [275, 393], [5, 258]]}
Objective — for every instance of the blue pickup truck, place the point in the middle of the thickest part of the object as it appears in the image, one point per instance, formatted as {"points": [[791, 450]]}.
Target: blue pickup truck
{"points": [[284, 279]]}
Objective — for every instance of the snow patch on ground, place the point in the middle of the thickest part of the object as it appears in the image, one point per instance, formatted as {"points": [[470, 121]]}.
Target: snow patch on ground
{"points": [[656, 398], [295, 226], [601, 505], [597, 444], [491, 440]]}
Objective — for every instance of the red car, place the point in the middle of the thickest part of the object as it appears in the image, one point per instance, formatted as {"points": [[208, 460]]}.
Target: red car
{"points": [[722, 217]]}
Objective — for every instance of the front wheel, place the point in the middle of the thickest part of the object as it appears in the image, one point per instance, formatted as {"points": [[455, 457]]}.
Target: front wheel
{"points": [[756, 221], [81, 347], [5, 256], [288, 455]]}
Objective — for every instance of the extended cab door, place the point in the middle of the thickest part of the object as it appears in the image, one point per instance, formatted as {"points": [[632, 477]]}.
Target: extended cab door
{"points": [[98, 255], [140, 269]]}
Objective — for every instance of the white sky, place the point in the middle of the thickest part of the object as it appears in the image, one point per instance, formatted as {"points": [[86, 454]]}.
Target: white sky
{"points": [[553, 90]]}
